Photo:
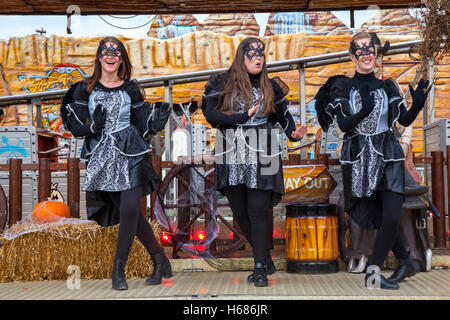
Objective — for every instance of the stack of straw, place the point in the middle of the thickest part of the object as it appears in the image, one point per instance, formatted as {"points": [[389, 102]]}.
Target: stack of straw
{"points": [[47, 254]]}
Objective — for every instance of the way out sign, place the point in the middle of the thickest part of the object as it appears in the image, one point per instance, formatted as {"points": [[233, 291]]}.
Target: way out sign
{"points": [[307, 184]]}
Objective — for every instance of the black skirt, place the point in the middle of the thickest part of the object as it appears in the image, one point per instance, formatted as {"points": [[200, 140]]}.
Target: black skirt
{"points": [[391, 177], [98, 204], [266, 173]]}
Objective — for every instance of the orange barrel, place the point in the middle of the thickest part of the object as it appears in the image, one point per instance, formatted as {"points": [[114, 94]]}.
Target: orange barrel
{"points": [[312, 238]]}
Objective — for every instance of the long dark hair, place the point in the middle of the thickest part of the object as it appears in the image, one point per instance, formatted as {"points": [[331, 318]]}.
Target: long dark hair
{"points": [[239, 82], [125, 68]]}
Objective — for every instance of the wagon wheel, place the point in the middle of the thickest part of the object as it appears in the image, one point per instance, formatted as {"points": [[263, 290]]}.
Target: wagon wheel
{"points": [[207, 207], [3, 209]]}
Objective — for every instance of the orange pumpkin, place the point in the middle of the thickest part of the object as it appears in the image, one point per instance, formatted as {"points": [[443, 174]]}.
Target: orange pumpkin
{"points": [[50, 211]]}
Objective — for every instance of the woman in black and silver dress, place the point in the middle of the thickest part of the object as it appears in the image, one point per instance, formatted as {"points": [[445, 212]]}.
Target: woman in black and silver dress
{"points": [[244, 105], [109, 110], [366, 109]]}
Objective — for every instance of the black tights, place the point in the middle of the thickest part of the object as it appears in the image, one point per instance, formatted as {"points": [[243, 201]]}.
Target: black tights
{"points": [[132, 222], [387, 206], [251, 208]]}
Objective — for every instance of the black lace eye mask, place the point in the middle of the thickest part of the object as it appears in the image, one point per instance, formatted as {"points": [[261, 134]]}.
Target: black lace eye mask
{"points": [[251, 51], [110, 50], [364, 50]]}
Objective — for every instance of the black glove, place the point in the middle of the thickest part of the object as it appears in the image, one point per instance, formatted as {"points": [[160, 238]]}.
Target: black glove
{"points": [[160, 117], [419, 96], [1, 114], [99, 118], [367, 100]]}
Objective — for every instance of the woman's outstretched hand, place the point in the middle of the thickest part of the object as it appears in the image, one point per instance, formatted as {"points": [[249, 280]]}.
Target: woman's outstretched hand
{"points": [[253, 110], [419, 96], [300, 132]]}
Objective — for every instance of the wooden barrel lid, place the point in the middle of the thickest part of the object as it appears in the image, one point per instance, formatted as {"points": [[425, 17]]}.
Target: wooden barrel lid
{"points": [[311, 210]]}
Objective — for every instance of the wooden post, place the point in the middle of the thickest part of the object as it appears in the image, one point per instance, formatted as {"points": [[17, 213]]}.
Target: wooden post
{"points": [[73, 187], [323, 159], [437, 183], [294, 159], [448, 185], [44, 179], [15, 191], [302, 96]]}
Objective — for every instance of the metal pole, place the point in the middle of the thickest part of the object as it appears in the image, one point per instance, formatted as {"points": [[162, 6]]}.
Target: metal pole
{"points": [[432, 93], [29, 113], [73, 186], [352, 18], [44, 179], [302, 93], [15, 191], [437, 182], [38, 103], [168, 97]]}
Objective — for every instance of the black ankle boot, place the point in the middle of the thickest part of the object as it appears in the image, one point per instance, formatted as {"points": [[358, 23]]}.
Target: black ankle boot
{"points": [[405, 269], [383, 282], [270, 265], [161, 268], [270, 269], [118, 275], [260, 275]]}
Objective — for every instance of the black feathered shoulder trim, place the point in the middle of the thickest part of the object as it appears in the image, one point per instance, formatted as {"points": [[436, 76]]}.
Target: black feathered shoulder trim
{"points": [[68, 98], [323, 98]]}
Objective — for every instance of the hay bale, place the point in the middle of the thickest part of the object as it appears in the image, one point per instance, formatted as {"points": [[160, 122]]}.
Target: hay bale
{"points": [[46, 254]]}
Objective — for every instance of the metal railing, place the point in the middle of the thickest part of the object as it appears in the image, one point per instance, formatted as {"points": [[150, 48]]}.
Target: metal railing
{"points": [[197, 76], [168, 81]]}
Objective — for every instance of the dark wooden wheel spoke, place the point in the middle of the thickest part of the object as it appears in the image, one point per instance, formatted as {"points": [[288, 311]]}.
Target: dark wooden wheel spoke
{"points": [[177, 171]]}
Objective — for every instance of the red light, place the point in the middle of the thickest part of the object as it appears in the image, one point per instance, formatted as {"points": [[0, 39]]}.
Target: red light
{"points": [[200, 235], [165, 237], [276, 234]]}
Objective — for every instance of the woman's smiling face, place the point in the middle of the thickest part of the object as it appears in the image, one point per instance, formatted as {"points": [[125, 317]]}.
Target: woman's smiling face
{"points": [[364, 56], [110, 57]]}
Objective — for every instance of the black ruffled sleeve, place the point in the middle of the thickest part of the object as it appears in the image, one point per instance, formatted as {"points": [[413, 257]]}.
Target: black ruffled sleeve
{"points": [[141, 111], [211, 100], [283, 116], [339, 95], [341, 106], [135, 92], [323, 102], [397, 105], [78, 112]]}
